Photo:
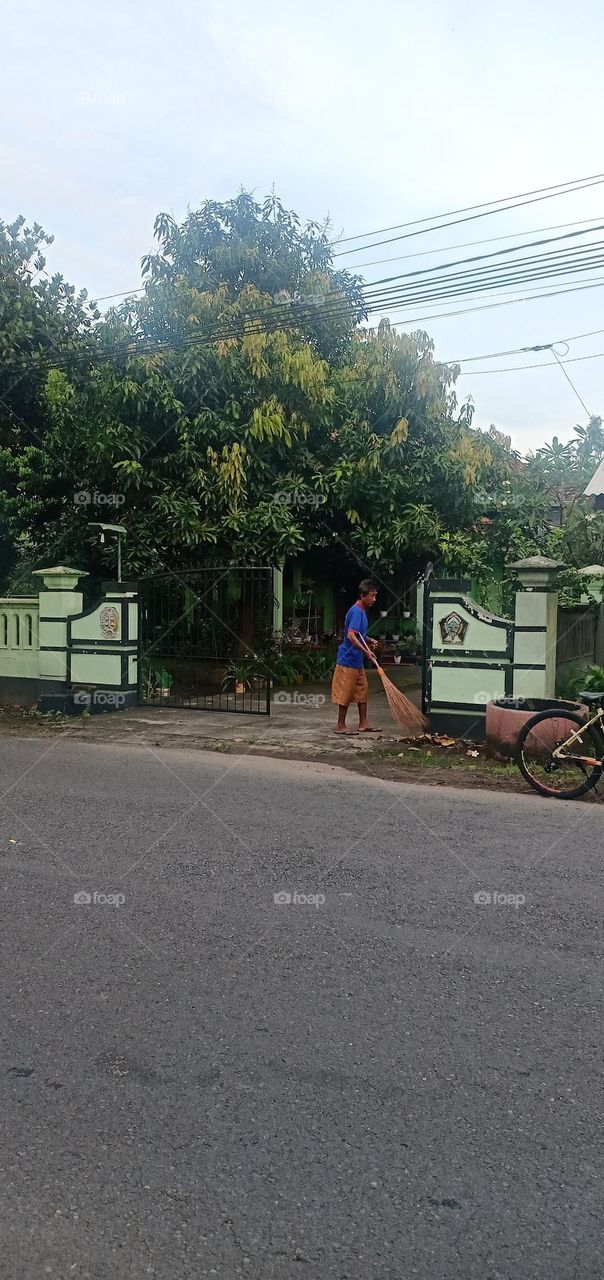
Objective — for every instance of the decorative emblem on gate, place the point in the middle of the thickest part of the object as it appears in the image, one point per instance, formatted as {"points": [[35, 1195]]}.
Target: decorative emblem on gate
{"points": [[110, 621], [453, 629]]}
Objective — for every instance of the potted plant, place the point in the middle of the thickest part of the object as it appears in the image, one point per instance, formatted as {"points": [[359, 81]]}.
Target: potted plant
{"points": [[156, 682], [396, 635], [165, 680], [408, 646], [239, 675], [594, 681]]}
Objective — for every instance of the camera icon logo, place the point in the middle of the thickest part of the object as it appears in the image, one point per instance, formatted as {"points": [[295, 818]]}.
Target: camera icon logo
{"points": [[82, 899], [483, 898], [282, 898]]}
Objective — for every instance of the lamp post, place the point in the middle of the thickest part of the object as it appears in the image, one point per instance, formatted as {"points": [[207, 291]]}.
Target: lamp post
{"points": [[120, 533]]}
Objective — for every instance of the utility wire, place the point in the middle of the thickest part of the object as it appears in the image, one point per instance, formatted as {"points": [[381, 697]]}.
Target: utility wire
{"points": [[542, 364], [448, 286], [428, 252], [472, 218], [596, 283], [468, 285], [287, 317], [594, 180], [468, 244], [496, 253], [240, 328], [492, 355], [569, 379], [467, 209], [458, 285]]}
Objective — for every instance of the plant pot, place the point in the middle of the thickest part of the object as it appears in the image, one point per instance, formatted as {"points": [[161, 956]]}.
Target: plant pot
{"points": [[164, 693], [407, 613], [397, 659], [396, 637], [505, 717], [240, 687], [384, 613]]}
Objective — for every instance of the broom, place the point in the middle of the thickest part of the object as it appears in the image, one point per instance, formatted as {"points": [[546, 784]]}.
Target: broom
{"points": [[408, 717]]}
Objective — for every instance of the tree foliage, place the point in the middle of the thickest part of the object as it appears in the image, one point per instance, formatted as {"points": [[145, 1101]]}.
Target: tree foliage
{"points": [[239, 410]]}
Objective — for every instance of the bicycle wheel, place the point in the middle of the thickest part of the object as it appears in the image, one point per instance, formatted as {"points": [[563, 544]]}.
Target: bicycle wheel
{"points": [[566, 779]]}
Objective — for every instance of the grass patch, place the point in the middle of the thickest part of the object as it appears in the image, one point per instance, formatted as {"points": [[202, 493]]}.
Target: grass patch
{"points": [[425, 757]]}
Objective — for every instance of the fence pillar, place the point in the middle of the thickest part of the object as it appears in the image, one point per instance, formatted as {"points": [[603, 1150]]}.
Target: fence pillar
{"points": [[535, 628], [58, 599], [278, 598]]}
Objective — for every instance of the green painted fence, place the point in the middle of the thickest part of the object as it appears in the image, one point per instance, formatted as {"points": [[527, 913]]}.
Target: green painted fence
{"points": [[58, 656]]}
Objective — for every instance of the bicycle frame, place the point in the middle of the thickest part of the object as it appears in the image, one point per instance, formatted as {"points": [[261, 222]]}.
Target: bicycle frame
{"points": [[559, 753]]}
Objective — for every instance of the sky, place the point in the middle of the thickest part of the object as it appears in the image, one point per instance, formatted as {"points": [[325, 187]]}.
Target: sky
{"points": [[374, 114]]}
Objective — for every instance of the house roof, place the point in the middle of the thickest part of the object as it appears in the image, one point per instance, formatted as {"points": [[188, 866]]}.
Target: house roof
{"points": [[596, 484]]}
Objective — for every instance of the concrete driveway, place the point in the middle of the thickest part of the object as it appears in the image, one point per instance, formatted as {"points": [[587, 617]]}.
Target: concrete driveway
{"points": [[302, 716]]}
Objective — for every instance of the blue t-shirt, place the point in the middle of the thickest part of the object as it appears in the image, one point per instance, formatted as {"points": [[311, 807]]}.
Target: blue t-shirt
{"points": [[355, 620]]}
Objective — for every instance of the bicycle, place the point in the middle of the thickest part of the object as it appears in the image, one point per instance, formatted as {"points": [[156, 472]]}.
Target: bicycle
{"points": [[559, 763]]}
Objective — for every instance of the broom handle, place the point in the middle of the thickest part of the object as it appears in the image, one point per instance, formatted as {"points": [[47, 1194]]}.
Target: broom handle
{"points": [[367, 650]]}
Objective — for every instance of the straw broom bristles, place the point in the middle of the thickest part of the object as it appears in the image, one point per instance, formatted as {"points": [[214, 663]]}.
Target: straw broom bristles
{"points": [[407, 715]]}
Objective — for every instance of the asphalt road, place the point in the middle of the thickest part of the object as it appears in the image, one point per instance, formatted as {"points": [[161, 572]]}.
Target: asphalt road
{"points": [[394, 1082]]}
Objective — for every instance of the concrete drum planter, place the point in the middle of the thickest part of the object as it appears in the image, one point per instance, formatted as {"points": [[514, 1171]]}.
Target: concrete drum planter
{"points": [[505, 718]]}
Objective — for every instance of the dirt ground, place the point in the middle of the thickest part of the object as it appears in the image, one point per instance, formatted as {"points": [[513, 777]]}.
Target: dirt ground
{"points": [[301, 726]]}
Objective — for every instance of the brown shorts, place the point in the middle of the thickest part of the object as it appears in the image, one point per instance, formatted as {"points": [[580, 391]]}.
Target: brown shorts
{"points": [[349, 684]]}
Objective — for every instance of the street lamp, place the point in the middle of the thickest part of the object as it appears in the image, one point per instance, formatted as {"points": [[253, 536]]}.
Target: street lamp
{"points": [[120, 533]]}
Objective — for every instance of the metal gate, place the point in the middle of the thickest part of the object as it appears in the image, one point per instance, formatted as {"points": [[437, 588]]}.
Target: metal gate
{"points": [[205, 639]]}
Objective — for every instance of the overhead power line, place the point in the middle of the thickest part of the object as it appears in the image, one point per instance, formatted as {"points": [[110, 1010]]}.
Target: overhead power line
{"points": [[541, 364], [487, 204], [569, 379], [467, 244], [472, 217], [291, 316], [409, 289], [421, 287], [576, 184], [492, 355], [220, 333], [504, 301], [481, 257]]}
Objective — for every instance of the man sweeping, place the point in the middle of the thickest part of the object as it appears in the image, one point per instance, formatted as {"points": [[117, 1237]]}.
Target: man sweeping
{"points": [[349, 682]]}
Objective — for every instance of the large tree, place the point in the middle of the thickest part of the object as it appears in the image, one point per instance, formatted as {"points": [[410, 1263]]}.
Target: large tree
{"points": [[239, 408]]}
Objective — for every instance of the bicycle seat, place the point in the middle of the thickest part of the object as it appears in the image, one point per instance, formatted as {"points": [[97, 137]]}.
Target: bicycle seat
{"points": [[591, 699]]}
